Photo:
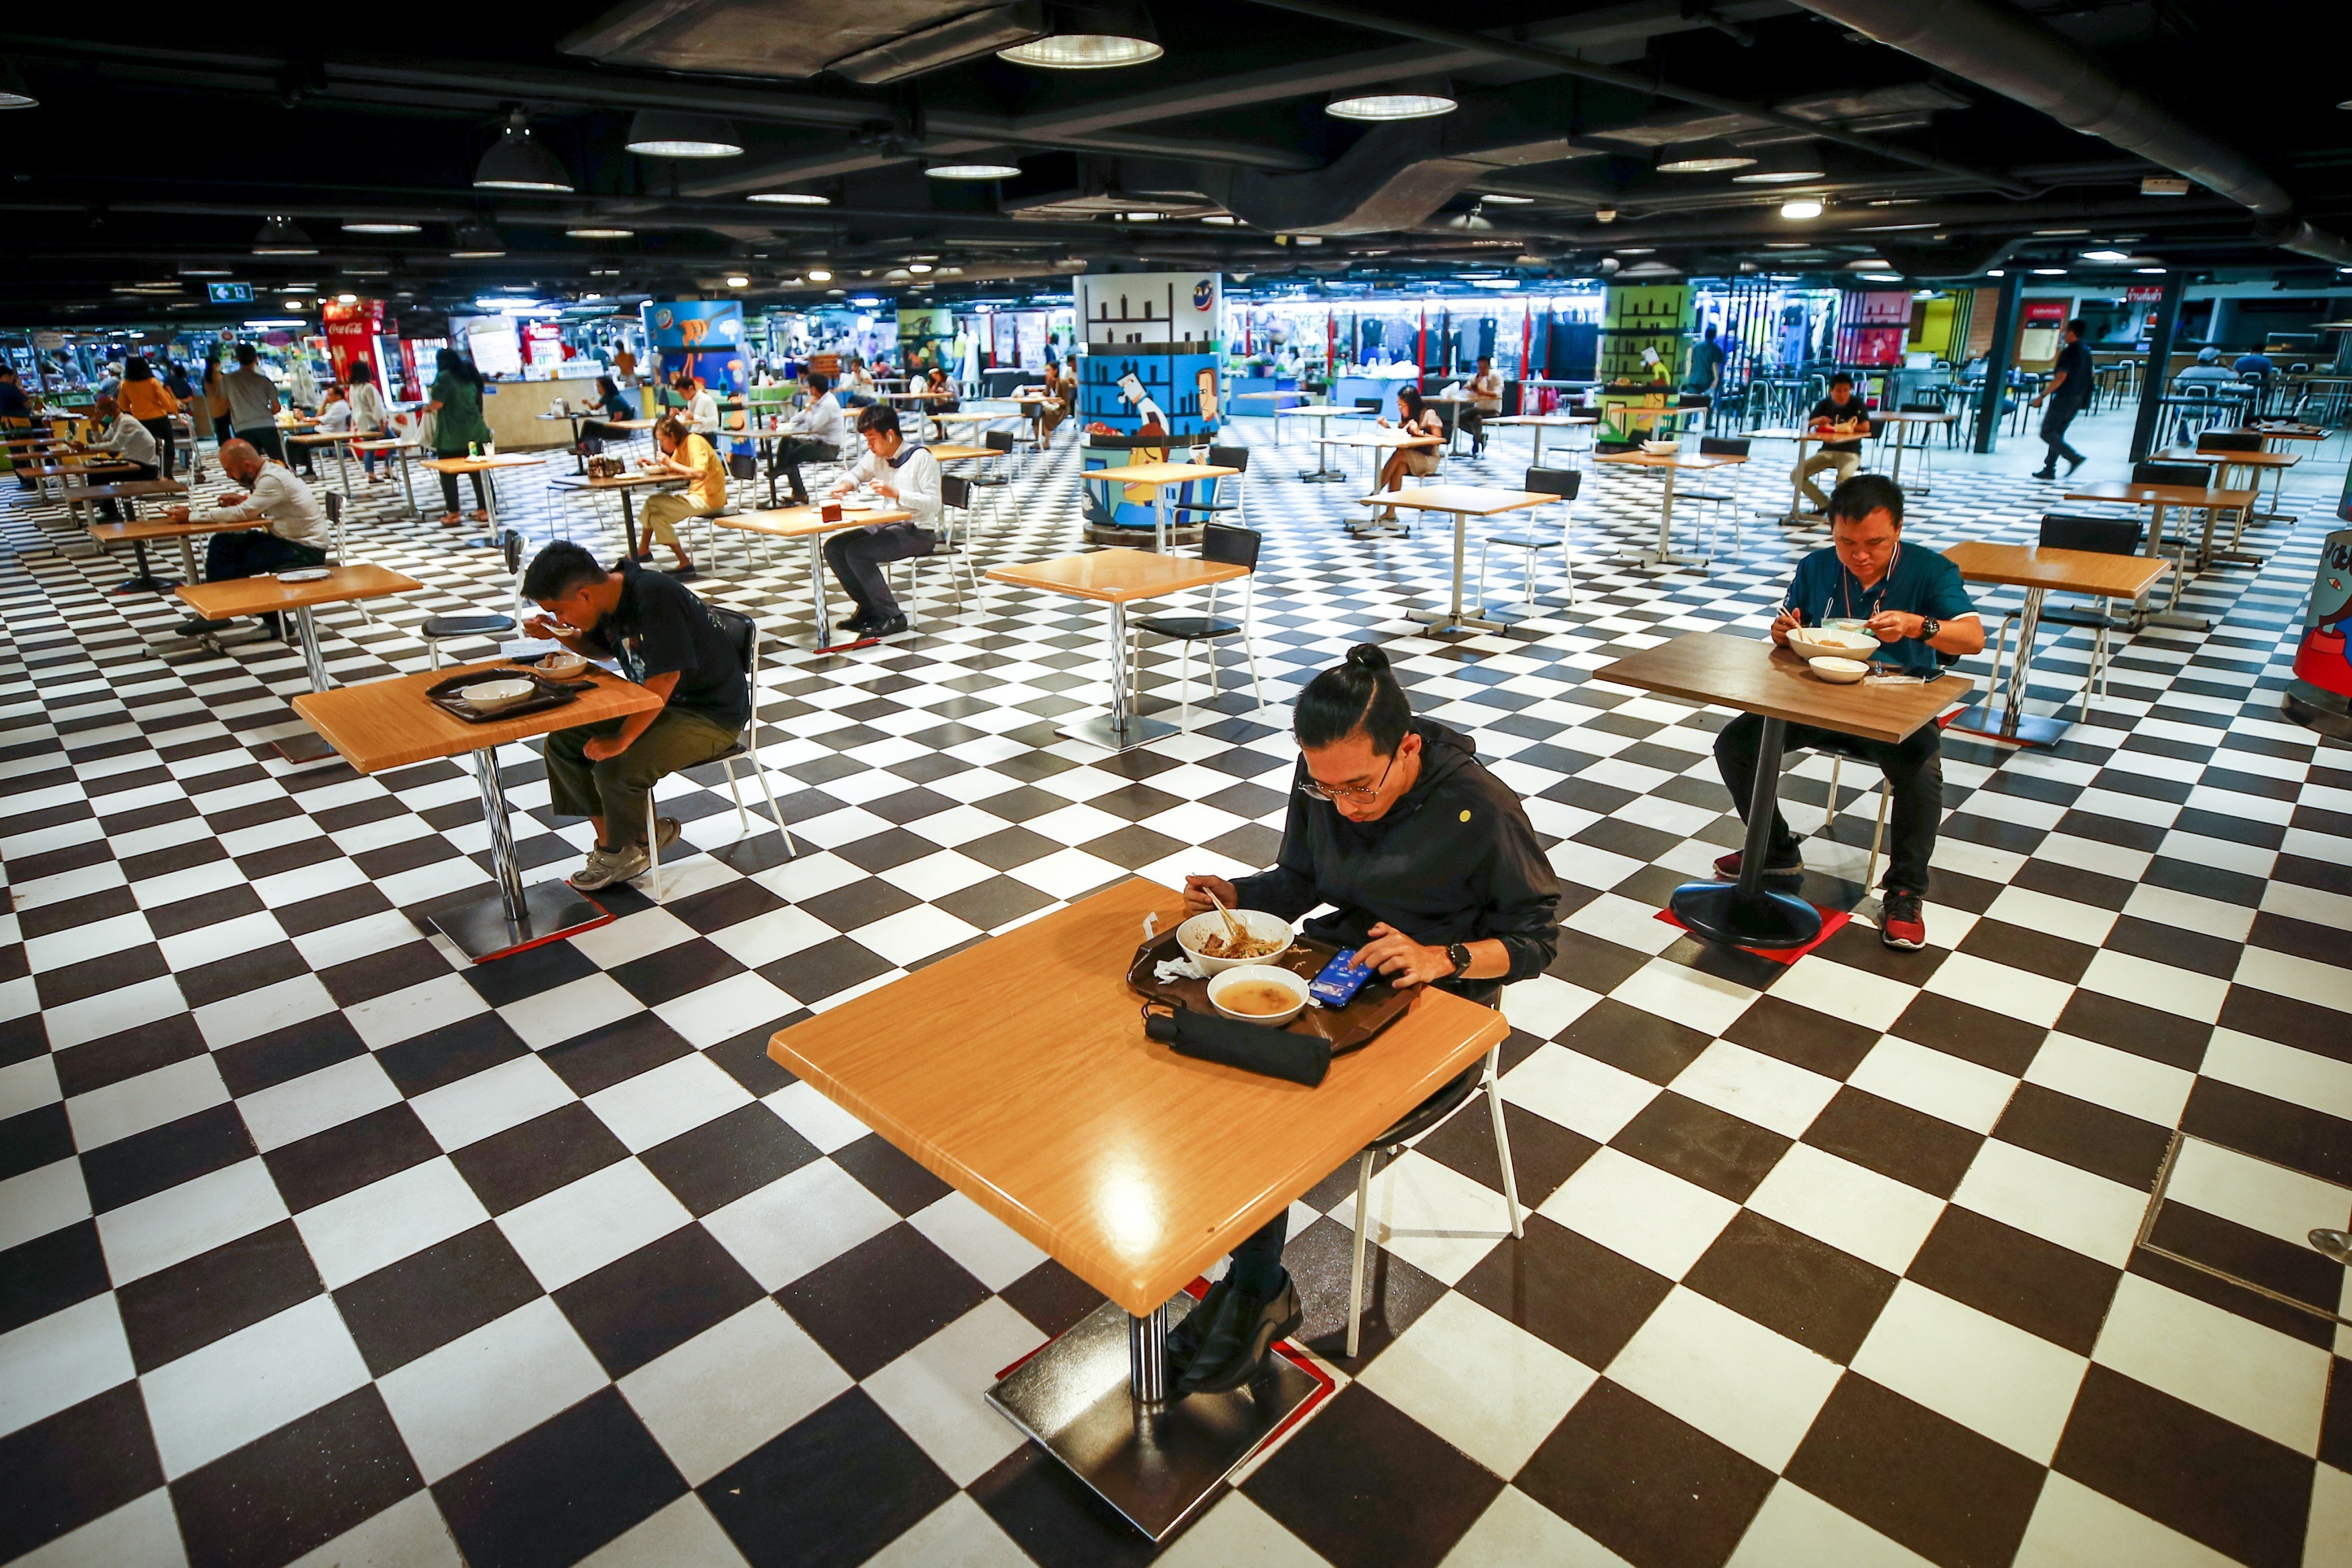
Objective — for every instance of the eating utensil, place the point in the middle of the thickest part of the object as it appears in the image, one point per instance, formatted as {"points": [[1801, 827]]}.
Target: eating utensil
{"points": [[1233, 929]]}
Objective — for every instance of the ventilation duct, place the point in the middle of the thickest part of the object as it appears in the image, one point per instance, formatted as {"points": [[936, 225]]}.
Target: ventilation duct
{"points": [[869, 41]]}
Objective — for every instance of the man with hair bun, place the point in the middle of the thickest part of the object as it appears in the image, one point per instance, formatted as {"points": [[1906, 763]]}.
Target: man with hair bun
{"points": [[1435, 877]]}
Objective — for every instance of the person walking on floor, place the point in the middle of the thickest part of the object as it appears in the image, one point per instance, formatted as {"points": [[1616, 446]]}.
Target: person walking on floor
{"points": [[456, 405], [909, 476], [2068, 394], [687, 455], [253, 403]]}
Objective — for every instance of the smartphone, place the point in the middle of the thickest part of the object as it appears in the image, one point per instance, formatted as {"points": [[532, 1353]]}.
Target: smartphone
{"points": [[1339, 981]]}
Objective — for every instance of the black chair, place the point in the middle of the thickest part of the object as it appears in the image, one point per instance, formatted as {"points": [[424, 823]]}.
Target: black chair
{"points": [[1563, 483], [955, 496], [1002, 443], [2228, 441], [743, 632], [1216, 505], [1715, 500], [1230, 546], [439, 629], [2105, 536], [2195, 475], [1610, 446]]}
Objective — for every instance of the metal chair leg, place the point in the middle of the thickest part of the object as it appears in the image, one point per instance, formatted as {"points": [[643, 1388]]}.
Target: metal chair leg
{"points": [[1830, 821], [1878, 835], [1503, 1138], [1356, 1274], [652, 844], [743, 817]]}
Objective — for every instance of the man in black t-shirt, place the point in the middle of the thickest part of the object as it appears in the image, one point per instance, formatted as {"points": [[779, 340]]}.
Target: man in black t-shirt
{"points": [[2068, 394], [1840, 410], [668, 641]]}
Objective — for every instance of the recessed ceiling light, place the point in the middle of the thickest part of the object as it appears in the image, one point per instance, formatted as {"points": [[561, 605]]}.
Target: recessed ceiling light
{"points": [[668, 133], [2111, 258], [2050, 272], [601, 233], [819, 275], [918, 267], [1222, 220], [1880, 277], [1789, 164], [1803, 207], [790, 198], [1418, 99], [1142, 216], [1701, 158], [347, 298], [1503, 201], [12, 91], [2147, 270], [384, 229], [973, 171], [205, 272], [1637, 250], [738, 281], [2058, 233], [1092, 35]]}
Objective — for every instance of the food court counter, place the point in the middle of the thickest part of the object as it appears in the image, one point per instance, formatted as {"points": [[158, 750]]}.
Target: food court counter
{"points": [[512, 409]]}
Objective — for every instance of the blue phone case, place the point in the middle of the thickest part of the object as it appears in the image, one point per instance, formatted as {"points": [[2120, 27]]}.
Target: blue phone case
{"points": [[1337, 983]]}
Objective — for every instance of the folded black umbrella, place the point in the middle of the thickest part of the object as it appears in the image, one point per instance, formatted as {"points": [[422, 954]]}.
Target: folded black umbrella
{"points": [[1252, 1047]]}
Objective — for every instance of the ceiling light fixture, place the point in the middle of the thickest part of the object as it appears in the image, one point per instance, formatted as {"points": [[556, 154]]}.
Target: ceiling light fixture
{"points": [[1802, 207], [1504, 201], [2058, 233], [1880, 277], [918, 267], [1222, 220], [1787, 165], [1701, 158], [790, 198], [516, 162], [476, 241], [1420, 97], [281, 237], [2050, 272], [347, 298], [819, 275], [1090, 35], [384, 229], [2147, 270], [602, 233], [971, 171], [670, 133], [12, 92], [2110, 258], [205, 272], [738, 281]]}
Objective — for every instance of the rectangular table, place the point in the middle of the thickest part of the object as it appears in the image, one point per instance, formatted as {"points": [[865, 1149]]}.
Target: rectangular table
{"points": [[2222, 462], [1670, 463], [1118, 577], [399, 450], [808, 522], [2158, 498], [1017, 1072], [1384, 438], [1463, 502], [1162, 478], [2038, 571], [1540, 423], [1797, 512], [1902, 421], [1727, 669], [488, 466], [1322, 414], [628, 484], [384, 724], [341, 440], [235, 596]]}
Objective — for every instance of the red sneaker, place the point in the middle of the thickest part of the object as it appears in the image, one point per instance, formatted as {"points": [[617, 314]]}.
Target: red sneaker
{"points": [[1899, 922], [1791, 864]]}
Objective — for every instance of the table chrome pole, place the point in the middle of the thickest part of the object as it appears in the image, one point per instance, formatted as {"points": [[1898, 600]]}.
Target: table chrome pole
{"points": [[1146, 1356], [504, 863]]}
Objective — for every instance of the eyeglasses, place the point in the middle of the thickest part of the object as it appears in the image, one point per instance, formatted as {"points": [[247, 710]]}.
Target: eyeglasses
{"points": [[1315, 791]]}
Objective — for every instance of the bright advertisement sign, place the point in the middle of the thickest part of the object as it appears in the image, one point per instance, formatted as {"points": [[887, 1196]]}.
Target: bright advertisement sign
{"points": [[694, 325]]}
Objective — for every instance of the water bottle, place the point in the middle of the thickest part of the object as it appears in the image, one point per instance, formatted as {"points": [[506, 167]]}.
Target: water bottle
{"points": [[473, 448]]}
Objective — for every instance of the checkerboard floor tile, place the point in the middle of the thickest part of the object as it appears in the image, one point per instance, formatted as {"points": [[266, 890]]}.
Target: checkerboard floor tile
{"points": [[317, 1244]]}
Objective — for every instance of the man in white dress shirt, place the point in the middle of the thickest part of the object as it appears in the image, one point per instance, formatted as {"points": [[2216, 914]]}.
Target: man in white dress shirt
{"points": [[910, 475], [128, 439], [298, 533], [815, 435]]}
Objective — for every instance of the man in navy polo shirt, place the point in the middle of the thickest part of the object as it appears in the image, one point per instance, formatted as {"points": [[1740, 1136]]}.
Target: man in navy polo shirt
{"points": [[1919, 610]]}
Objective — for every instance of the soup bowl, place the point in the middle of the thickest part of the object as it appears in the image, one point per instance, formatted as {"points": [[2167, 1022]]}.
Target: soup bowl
{"points": [[1247, 991]]}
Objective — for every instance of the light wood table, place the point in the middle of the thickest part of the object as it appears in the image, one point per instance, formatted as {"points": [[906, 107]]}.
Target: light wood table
{"points": [[628, 485], [136, 531], [951, 452], [1540, 423], [1379, 438], [341, 440], [1750, 674], [2040, 570], [2158, 498], [1903, 422], [263, 596], [808, 522], [489, 469], [1670, 464], [398, 448], [1797, 512], [1162, 478], [1322, 414], [1462, 502], [1118, 577], [1017, 1070], [2228, 468], [76, 467], [382, 724]]}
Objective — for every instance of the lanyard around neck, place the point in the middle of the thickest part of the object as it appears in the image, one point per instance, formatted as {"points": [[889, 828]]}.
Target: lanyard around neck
{"points": [[1873, 599]]}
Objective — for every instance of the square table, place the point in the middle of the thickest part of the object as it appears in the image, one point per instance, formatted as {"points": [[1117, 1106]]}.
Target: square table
{"points": [[341, 440], [489, 465], [399, 449], [1118, 577], [1463, 502], [235, 596], [628, 484], [2038, 571], [1797, 512], [1017, 1070], [1540, 423], [953, 452], [2221, 462], [129, 492], [1902, 422], [1670, 463], [1322, 414], [382, 724], [1728, 670], [67, 467], [808, 522], [1162, 478], [1381, 439], [2157, 498]]}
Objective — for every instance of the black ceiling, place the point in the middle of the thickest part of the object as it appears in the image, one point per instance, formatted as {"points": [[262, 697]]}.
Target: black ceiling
{"points": [[147, 155]]}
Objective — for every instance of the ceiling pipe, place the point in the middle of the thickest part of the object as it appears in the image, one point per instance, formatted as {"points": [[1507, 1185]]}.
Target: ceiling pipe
{"points": [[2009, 54]]}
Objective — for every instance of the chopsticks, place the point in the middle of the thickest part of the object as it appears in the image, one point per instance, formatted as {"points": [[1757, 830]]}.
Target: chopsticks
{"points": [[1233, 931]]}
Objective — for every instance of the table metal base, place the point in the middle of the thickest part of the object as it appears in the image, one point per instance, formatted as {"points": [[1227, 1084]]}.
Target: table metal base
{"points": [[2033, 728], [1323, 476], [146, 582], [304, 749], [1375, 528], [1445, 620], [1767, 918], [1106, 732], [1154, 1463], [1663, 558], [551, 912]]}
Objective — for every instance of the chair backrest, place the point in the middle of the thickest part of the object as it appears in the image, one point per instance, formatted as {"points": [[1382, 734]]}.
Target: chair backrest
{"points": [[2228, 441], [1561, 482], [743, 464], [1230, 546], [2195, 475], [1609, 445], [955, 490], [1229, 456], [743, 632], [510, 547], [334, 503], [999, 441], [1723, 445], [2106, 535], [1921, 409], [1368, 405]]}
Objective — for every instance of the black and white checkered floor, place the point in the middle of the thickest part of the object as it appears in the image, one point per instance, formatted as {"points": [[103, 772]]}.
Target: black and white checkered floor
{"points": [[324, 1248]]}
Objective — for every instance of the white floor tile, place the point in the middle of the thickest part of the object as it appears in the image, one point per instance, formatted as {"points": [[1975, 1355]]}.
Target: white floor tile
{"points": [[2075, 1527], [2255, 1193], [287, 1112], [1730, 1377], [799, 1222], [411, 1533], [353, 1236], [934, 1391], [178, 1223], [2052, 1200], [249, 1384], [2217, 1361], [730, 1388], [2117, 1079], [1703, 1002], [1657, 1219], [1528, 1386], [2013, 1386], [1432, 1215], [490, 1101], [1756, 1088], [673, 1098], [42, 1200], [988, 1248], [567, 1012], [56, 1361], [457, 1402], [578, 1228], [1877, 1218], [145, 1531], [1942, 1085], [1515, 1529], [960, 1534], [1794, 1529], [1578, 1091]]}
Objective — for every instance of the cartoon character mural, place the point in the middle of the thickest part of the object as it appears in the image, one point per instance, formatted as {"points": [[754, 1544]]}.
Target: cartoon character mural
{"points": [[1152, 420], [2320, 694]]}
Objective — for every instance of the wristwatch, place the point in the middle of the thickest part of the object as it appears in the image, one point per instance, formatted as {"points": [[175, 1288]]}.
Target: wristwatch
{"points": [[1928, 626], [1458, 953]]}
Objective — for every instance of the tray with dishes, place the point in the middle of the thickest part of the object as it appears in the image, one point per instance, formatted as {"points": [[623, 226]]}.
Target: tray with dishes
{"points": [[491, 694], [1236, 975]]}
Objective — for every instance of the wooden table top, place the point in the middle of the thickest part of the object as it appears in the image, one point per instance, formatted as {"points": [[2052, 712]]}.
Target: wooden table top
{"points": [[949, 452], [942, 396], [2284, 432], [1118, 575], [379, 724], [969, 416], [1018, 1071], [799, 522], [323, 437], [82, 495], [1545, 419], [1315, 410], [1674, 459], [1899, 418], [613, 481], [1785, 434], [1383, 439], [258, 596], [477, 465], [1732, 670], [626, 424], [2228, 459], [1159, 473], [2161, 495], [1462, 501], [383, 444], [103, 466], [2067, 570], [152, 528]]}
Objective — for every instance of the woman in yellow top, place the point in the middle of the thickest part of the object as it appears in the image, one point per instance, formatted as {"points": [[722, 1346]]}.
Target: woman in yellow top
{"points": [[696, 460], [145, 397]]}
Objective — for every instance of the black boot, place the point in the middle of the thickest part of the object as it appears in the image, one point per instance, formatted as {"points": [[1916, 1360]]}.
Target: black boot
{"points": [[1184, 1339], [1235, 1344]]}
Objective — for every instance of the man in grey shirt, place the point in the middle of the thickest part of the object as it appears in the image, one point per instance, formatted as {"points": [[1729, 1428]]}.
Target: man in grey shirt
{"points": [[253, 403], [814, 434], [299, 534]]}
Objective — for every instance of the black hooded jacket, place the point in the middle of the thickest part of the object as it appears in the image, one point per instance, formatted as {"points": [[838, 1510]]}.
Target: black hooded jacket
{"points": [[1454, 861]]}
